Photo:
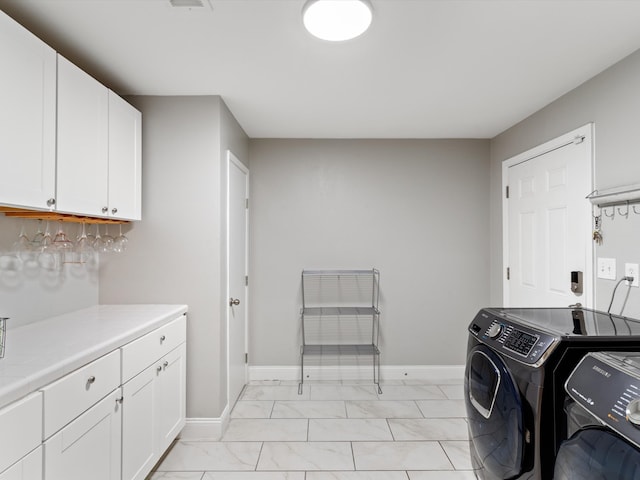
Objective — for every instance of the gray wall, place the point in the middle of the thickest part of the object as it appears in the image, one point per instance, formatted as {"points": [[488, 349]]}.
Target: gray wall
{"points": [[176, 253], [612, 101], [415, 209]]}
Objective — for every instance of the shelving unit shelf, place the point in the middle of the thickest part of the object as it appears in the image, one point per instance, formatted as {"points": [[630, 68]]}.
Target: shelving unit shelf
{"points": [[340, 316]]}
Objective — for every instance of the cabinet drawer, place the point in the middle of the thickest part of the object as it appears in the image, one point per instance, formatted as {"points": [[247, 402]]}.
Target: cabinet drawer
{"points": [[139, 354], [68, 397], [20, 429]]}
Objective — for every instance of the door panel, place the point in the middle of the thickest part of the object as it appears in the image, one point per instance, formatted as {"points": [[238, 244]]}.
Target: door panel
{"points": [[547, 224]]}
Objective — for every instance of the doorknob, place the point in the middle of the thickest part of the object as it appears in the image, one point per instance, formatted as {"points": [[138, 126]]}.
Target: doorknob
{"points": [[234, 301]]}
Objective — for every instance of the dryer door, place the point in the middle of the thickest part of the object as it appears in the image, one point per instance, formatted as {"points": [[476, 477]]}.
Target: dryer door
{"points": [[597, 454], [495, 415]]}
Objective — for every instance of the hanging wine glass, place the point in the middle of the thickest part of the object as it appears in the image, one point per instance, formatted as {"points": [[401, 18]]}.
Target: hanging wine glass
{"points": [[107, 239], [62, 243], [36, 241], [120, 242], [91, 237], [49, 257], [101, 245], [84, 252]]}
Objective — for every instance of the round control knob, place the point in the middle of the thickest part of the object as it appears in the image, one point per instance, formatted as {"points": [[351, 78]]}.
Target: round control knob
{"points": [[633, 412], [494, 330]]}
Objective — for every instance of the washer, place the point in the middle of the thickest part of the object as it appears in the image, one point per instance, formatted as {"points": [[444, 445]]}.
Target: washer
{"points": [[518, 360], [603, 414]]}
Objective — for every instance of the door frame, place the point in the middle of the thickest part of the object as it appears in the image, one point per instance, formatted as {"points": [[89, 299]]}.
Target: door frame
{"points": [[586, 132], [232, 159]]}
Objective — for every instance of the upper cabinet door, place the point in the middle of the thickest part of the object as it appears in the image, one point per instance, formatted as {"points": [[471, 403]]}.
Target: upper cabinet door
{"points": [[27, 118], [83, 122], [125, 159]]}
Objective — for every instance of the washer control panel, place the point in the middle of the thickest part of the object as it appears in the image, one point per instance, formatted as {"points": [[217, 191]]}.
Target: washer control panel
{"points": [[520, 342], [610, 391]]}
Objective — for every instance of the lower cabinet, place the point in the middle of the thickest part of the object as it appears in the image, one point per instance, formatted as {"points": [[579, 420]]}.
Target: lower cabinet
{"points": [[153, 413], [89, 446], [111, 419], [29, 468]]}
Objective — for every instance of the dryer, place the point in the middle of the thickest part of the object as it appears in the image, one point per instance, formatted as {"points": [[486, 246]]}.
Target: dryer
{"points": [[603, 419], [518, 360]]}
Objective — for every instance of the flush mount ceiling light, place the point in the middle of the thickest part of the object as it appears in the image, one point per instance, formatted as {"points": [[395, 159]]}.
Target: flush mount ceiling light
{"points": [[337, 20]]}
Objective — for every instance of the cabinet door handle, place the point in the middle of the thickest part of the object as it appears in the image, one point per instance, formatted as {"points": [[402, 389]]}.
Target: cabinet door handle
{"points": [[165, 364], [120, 400], [162, 338], [105, 209], [51, 202], [114, 211], [91, 380]]}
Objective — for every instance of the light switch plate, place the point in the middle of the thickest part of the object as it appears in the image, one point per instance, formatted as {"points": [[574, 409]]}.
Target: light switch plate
{"points": [[607, 268], [631, 270]]}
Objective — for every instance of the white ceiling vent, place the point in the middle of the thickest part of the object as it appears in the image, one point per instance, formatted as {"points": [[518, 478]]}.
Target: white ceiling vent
{"points": [[191, 4]]}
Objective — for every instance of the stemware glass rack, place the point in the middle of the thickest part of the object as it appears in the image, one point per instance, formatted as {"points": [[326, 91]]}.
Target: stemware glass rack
{"points": [[340, 316]]}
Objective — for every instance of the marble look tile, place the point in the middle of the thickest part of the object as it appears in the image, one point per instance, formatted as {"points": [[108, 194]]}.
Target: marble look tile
{"points": [[400, 455], [468, 475], [442, 408], [187, 456], [252, 409], [435, 381], [453, 392], [412, 392], [373, 429], [356, 476], [459, 454], [309, 409], [266, 430], [253, 476], [429, 429], [273, 392], [382, 409], [306, 456], [177, 476], [343, 392]]}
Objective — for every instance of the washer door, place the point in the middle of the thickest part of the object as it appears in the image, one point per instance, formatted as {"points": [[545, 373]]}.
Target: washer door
{"points": [[495, 415], [597, 454]]}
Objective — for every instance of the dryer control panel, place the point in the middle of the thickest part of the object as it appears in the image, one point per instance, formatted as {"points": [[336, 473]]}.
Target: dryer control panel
{"points": [[608, 387], [517, 341]]}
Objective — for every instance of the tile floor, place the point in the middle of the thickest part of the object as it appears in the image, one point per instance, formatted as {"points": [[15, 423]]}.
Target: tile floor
{"points": [[334, 431]]}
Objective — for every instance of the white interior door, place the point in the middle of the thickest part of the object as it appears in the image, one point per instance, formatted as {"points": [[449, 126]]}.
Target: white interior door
{"points": [[547, 223], [237, 241]]}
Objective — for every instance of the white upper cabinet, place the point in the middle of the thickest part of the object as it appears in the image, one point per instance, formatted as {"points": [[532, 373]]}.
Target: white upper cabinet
{"points": [[83, 123], [27, 118], [125, 159], [99, 148]]}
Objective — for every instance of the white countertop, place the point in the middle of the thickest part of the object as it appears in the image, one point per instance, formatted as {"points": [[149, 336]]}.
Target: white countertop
{"points": [[41, 352]]}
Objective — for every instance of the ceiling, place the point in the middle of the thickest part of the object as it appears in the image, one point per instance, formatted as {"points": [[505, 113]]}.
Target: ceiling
{"points": [[425, 69]]}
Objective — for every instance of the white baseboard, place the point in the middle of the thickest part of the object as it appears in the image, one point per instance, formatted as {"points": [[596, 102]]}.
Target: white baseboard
{"points": [[431, 373], [205, 428]]}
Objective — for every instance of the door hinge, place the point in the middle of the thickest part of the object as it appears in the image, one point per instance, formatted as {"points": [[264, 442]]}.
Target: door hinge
{"points": [[246, 280], [246, 358], [578, 140], [506, 191], [508, 273]]}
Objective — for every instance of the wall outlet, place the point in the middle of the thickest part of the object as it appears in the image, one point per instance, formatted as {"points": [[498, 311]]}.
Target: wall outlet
{"points": [[607, 268], [631, 270]]}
